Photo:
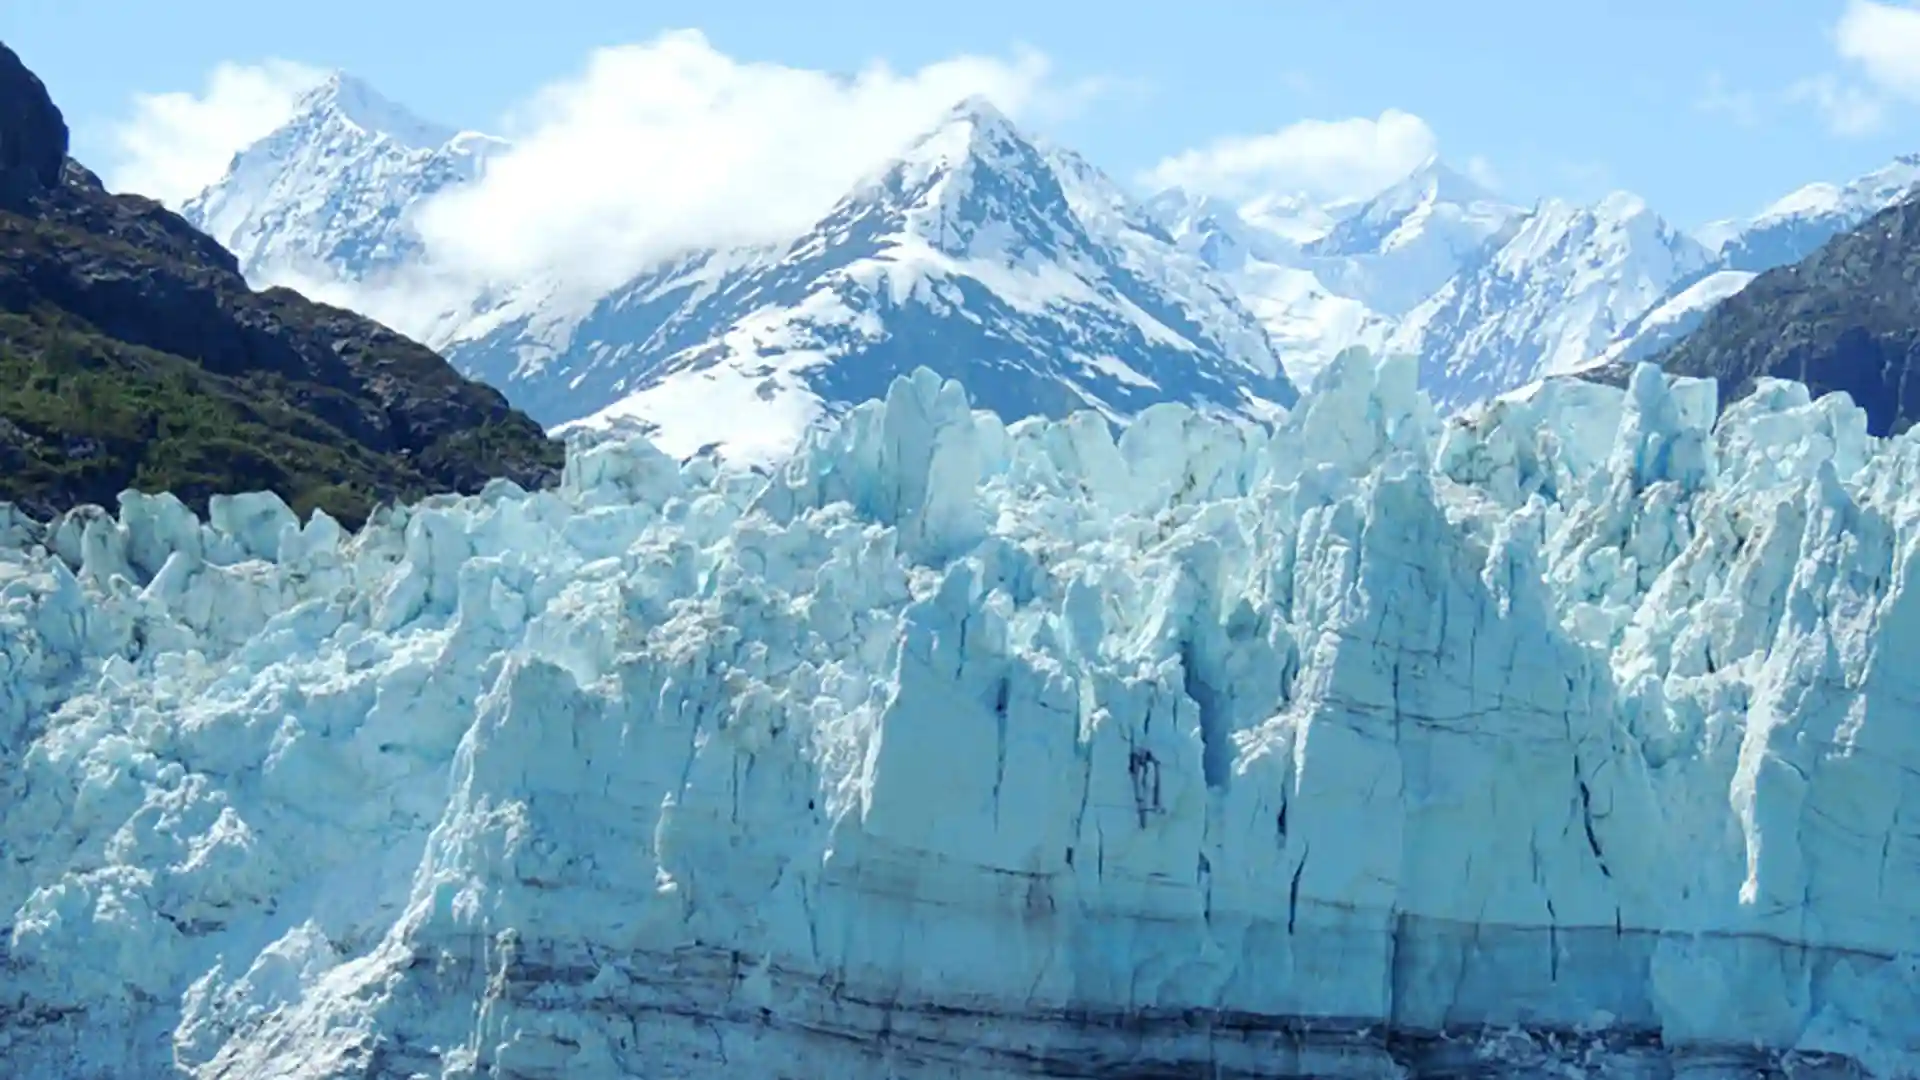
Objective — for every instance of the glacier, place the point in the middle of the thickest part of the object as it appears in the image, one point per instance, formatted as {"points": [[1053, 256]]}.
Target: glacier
{"points": [[1573, 736]]}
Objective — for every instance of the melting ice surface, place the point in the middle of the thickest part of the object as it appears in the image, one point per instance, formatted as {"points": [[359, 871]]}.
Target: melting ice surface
{"points": [[1579, 736]]}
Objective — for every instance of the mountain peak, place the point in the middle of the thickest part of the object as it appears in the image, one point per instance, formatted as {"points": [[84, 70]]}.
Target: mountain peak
{"points": [[979, 110], [1432, 218], [33, 134], [355, 101], [1856, 199], [342, 134], [222, 375], [971, 136], [1620, 205], [1432, 181], [972, 127]]}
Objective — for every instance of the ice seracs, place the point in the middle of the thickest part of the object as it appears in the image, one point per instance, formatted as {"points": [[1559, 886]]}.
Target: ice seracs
{"points": [[1572, 735]]}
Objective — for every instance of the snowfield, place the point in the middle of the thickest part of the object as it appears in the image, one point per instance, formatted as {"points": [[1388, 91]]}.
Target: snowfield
{"points": [[1579, 734]]}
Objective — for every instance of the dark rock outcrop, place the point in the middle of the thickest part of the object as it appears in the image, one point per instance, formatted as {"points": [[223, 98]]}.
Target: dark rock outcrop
{"points": [[1845, 318], [33, 135], [130, 335]]}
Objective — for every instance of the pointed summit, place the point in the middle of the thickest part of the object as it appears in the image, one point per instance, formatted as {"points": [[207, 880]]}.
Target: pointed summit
{"points": [[314, 198], [1443, 182], [1405, 210], [978, 109], [1621, 206], [33, 134], [971, 171], [973, 128], [347, 98]]}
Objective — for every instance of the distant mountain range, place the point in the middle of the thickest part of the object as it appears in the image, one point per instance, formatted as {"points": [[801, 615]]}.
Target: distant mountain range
{"points": [[1020, 269]]}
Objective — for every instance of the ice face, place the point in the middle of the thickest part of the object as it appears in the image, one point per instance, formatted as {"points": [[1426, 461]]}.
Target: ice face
{"points": [[1579, 733]]}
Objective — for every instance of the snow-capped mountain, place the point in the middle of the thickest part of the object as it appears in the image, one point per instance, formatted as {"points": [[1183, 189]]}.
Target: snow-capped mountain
{"points": [[1325, 277], [1504, 295], [1396, 248], [1794, 226], [1487, 294], [1554, 292], [1786, 232], [1019, 270], [1265, 262], [1673, 318], [325, 196]]}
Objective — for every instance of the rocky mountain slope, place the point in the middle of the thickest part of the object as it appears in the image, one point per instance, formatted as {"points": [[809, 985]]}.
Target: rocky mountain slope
{"points": [[1846, 318], [133, 354]]}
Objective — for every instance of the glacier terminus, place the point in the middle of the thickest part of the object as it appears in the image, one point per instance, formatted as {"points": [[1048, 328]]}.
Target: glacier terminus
{"points": [[1573, 736]]}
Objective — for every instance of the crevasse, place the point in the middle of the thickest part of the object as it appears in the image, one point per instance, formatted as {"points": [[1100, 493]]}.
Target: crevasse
{"points": [[1579, 734]]}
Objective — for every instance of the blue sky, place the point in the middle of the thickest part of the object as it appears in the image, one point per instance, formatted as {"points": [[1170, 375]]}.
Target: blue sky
{"points": [[1707, 108]]}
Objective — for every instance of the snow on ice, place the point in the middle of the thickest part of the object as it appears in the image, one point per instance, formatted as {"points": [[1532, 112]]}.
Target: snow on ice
{"points": [[1579, 733]]}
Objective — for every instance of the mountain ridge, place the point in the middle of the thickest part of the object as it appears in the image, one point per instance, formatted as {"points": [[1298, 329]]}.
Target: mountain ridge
{"points": [[960, 255], [1434, 264], [956, 253]]}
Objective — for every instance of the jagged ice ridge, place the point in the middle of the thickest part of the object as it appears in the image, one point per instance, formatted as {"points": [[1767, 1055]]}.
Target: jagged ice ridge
{"points": [[1578, 733]]}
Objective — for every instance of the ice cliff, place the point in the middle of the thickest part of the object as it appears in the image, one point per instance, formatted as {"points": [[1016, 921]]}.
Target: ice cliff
{"points": [[1580, 734]]}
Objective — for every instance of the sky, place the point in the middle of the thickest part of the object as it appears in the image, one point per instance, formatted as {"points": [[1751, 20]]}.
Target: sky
{"points": [[1707, 108]]}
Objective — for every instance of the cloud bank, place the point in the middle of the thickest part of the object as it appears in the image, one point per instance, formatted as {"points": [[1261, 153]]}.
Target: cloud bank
{"points": [[175, 144], [1878, 44], [650, 149], [1324, 158], [658, 147]]}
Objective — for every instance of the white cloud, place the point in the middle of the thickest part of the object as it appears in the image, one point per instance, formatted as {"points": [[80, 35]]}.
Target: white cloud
{"points": [[1325, 158], [1848, 109], [1879, 43], [176, 143], [660, 146], [1883, 42]]}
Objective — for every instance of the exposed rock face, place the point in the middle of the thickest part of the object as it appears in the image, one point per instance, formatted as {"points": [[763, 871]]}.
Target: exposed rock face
{"points": [[1578, 739], [124, 327], [1845, 319], [33, 135]]}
